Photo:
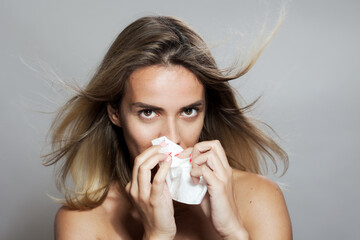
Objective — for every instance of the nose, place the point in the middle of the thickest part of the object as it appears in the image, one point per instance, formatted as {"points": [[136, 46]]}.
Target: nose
{"points": [[171, 130]]}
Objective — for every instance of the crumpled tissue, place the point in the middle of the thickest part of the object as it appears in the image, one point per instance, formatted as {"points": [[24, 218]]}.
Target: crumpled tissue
{"points": [[178, 179]]}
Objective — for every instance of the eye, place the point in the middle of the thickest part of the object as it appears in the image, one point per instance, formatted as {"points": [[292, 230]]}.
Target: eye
{"points": [[190, 112], [147, 114]]}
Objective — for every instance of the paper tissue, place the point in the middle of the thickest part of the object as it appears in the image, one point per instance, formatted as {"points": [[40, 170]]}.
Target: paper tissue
{"points": [[178, 179]]}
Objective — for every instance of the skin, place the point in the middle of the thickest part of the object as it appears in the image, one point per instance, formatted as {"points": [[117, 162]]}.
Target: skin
{"points": [[158, 103], [170, 101]]}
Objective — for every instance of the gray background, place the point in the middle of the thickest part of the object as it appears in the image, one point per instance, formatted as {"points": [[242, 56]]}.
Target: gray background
{"points": [[308, 77]]}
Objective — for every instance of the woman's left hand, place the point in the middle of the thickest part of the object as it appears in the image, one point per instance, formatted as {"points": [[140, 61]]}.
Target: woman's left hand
{"points": [[209, 161]]}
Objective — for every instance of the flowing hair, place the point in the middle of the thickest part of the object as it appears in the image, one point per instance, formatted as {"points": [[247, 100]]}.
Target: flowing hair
{"points": [[92, 151]]}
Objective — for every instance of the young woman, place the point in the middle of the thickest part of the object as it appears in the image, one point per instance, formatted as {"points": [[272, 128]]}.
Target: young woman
{"points": [[159, 79]]}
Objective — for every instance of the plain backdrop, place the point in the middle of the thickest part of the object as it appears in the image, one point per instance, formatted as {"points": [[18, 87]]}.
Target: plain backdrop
{"points": [[308, 77]]}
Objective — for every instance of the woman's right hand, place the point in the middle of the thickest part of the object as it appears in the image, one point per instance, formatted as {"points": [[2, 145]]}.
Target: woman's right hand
{"points": [[153, 199]]}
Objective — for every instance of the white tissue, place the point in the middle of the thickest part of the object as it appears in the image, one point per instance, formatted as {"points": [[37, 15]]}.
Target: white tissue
{"points": [[178, 179]]}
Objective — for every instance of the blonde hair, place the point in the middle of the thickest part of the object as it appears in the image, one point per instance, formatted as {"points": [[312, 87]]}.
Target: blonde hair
{"points": [[93, 150]]}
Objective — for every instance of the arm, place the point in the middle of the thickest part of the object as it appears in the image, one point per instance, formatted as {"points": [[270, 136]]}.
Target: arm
{"points": [[240, 205]]}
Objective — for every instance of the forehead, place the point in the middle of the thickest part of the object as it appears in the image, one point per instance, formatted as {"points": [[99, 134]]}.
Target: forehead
{"points": [[164, 85]]}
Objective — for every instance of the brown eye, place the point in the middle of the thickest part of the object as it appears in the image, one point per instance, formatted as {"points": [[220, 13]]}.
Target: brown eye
{"points": [[190, 112], [147, 113]]}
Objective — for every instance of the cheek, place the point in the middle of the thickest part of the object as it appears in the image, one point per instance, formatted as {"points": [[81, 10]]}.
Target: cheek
{"points": [[190, 133], [139, 136]]}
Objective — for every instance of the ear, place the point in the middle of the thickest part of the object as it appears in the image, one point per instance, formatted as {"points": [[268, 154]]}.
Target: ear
{"points": [[113, 115]]}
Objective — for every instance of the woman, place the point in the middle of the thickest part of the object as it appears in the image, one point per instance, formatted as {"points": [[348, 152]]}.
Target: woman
{"points": [[159, 79]]}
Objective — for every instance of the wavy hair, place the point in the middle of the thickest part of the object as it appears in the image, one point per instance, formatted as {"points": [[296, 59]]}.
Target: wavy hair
{"points": [[92, 151]]}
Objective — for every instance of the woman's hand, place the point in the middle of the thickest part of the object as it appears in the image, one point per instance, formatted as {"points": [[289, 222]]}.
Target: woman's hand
{"points": [[153, 200], [209, 161]]}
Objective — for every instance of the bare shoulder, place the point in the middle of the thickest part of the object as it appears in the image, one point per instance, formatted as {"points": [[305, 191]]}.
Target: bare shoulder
{"points": [[75, 224], [255, 186], [262, 206], [96, 223]]}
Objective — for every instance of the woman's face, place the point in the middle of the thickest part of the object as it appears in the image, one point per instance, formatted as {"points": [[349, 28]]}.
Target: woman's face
{"points": [[162, 101]]}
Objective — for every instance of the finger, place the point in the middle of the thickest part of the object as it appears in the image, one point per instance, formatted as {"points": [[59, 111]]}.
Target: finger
{"points": [[209, 176], [196, 163], [127, 187], [215, 146], [144, 174], [210, 158], [204, 160], [218, 148], [140, 159], [195, 174], [145, 155], [200, 148], [185, 154], [131, 190], [159, 182], [214, 163]]}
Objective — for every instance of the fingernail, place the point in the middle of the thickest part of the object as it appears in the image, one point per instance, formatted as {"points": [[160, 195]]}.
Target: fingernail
{"points": [[195, 180], [184, 155], [190, 159]]}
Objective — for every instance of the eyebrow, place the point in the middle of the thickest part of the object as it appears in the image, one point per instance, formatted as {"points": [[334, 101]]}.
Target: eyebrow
{"points": [[156, 108]]}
